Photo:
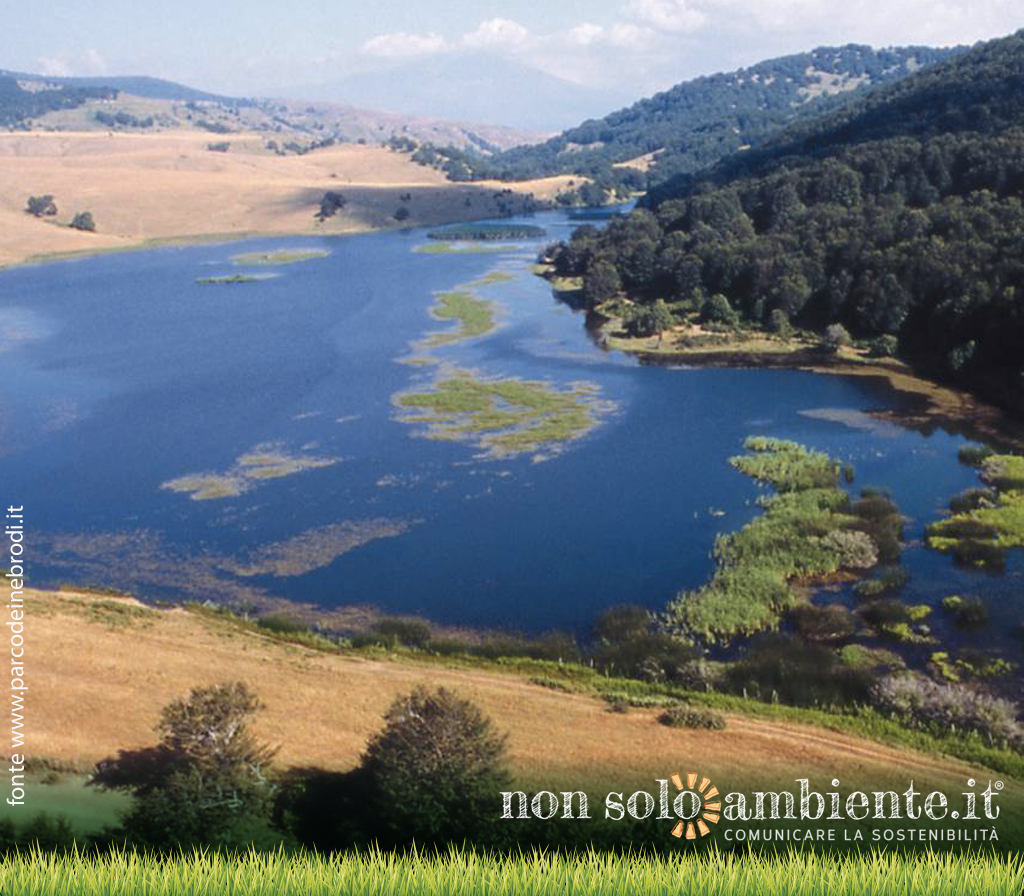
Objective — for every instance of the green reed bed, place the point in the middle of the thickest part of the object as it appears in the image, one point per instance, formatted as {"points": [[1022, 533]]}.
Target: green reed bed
{"points": [[591, 874], [809, 531]]}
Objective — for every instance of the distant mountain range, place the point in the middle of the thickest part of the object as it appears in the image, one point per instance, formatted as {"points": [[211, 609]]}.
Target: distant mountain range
{"points": [[471, 87], [150, 88], [142, 103]]}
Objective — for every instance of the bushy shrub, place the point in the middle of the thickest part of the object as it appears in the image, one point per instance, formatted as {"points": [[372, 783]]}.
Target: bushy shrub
{"points": [[836, 336], [282, 625], [717, 310], [436, 770], [884, 346], [967, 611], [628, 645], [83, 221], [832, 622], [854, 549], [973, 499], [684, 716], [973, 455], [332, 203], [41, 205], [949, 708], [205, 783], [888, 582], [790, 670], [409, 631]]}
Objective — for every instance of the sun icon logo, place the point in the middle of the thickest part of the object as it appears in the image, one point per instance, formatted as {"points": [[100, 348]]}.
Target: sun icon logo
{"points": [[709, 811]]}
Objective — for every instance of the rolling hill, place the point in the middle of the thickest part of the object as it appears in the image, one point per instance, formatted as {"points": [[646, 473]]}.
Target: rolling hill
{"points": [[111, 664], [41, 102]]}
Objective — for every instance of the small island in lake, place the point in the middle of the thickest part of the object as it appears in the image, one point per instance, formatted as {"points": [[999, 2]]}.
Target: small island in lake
{"points": [[487, 232]]}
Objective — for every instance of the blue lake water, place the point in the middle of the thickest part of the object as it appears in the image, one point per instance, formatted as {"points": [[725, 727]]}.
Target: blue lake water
{"points": [[120, 373]]}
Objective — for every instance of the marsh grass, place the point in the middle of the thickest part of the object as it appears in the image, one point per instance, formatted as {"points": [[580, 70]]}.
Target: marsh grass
{"points": [[707, 872], [267, 461], [278, 256], [474, 315], [794, 540], [230, 278], [503, 417], [985, 524], [460, 249]]}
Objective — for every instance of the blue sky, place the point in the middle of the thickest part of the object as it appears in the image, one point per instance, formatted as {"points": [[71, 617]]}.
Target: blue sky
{"points": [[639, 46]]}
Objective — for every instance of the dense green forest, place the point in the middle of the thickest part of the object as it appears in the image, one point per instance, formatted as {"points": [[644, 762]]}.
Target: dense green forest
{"points": [[899, 216], [696, 123], [18, 105]]}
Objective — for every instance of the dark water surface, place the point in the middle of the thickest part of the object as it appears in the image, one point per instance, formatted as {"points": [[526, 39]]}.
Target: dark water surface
{"points": [[120, 373]]}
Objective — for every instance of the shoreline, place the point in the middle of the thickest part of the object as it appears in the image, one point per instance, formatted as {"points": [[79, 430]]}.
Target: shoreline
{"points": [[933, 405]]}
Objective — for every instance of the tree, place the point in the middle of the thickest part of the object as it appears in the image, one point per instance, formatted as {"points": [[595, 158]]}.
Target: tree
{"points": [[836, 336], [41, 205], [83, 221], [205, 782], [778, 323], [331, 203], [402, 214], [652, 319], [602, 282], [717, 310], [436, 770]]}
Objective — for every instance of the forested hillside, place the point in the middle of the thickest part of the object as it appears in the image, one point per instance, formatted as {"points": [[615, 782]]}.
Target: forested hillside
{"points": [[898, 216], [18, 105], [698, 122]]}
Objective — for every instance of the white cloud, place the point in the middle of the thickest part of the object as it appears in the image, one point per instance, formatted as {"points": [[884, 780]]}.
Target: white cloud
{"points": [[497, 34], [53, 66], [677, 16], [402, 44], [878, 22], [585, 34], [628, 36], [94, 63]]}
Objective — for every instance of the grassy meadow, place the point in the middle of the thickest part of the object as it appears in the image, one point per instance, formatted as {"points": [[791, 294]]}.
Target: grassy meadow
{"points": [[535, 874]]}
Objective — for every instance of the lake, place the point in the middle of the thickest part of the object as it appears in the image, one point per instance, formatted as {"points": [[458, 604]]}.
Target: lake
{"points": [[247, 442]]}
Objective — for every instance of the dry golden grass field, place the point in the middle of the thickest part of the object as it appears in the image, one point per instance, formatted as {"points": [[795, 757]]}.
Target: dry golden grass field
{"points": [[170, 186], [99, 677]]}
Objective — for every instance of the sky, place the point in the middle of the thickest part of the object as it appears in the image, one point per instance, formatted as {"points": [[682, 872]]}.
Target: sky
{"points": [[265, 47]]}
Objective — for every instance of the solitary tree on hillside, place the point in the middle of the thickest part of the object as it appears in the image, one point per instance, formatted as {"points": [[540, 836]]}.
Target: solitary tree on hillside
{"points": [[83, 221], [331, 203], [436, 770], [205, 782], [41, 205]]}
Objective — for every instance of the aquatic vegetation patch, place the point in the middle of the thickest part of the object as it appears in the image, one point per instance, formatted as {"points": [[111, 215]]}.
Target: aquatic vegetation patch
{"points": [[144, 562], [278, 256], [460, 249], [235, 278], [967, 665], [474, 315], [810, 531], [487, 232], [503, 417], [265, 461], [985, 524], [315, 548]]}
